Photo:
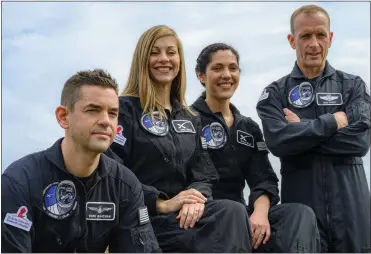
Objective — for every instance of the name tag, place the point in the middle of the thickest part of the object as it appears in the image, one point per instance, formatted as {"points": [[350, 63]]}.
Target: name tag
{"points": [[100, 211], [329, 99]]}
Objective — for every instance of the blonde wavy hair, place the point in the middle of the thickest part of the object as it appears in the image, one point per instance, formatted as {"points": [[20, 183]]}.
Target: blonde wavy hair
{"points": [[141, 85]]}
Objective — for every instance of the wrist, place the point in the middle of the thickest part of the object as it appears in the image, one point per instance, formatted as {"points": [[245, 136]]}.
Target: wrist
{"points": [[161, 206], [261, 209], [262, 204]]}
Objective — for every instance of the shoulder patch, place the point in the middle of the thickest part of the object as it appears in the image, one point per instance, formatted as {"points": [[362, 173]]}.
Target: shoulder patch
{"points": [[19, 219], [119, 138], [245, 138], [264, 95], [143, 215]]}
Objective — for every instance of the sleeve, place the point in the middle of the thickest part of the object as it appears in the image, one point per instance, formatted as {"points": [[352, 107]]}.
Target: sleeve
{"points": [[122, 144], [120, 151], [353, 140], [16, 217], [259, 173], [134, 232], [284, 138], [201, 173]]}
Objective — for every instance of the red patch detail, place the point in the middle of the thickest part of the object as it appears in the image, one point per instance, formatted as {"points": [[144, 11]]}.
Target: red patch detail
{"points": [[22, 211], [119, 129]]}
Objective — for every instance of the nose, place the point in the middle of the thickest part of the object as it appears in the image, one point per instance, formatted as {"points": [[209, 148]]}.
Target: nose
{"points": [[226, 74], [313, 42], [163, 57], [104, 120]]}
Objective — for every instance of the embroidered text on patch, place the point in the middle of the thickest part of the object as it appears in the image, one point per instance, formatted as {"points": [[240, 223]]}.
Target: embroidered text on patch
{"points": [[183, 126], [215, 135], [301, 96], [60, 199], [100, 211], [245, 138], [329, 99], [19, 219], [119, 138]]}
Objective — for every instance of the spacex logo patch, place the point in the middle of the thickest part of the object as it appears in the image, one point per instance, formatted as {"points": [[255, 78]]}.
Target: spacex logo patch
{"points": [[183, 126], [245, 138]]}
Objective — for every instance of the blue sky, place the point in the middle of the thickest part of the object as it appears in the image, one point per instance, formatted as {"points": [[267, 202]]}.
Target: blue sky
{"points": [[44, 43]]}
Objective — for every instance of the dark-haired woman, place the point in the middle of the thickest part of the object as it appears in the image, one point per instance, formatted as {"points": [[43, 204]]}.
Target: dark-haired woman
{"points": [[237, 148]]}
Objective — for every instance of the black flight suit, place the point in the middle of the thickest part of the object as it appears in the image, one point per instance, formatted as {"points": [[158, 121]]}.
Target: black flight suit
{"points": [[239, 153], [169, 156], [46, 209], [321, 166]]}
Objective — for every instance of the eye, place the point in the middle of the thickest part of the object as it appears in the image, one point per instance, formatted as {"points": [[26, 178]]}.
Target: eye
{"points": [[172, 52], [216, 68], [114, 114], [234, 68], [153, 53], [305, 36]]}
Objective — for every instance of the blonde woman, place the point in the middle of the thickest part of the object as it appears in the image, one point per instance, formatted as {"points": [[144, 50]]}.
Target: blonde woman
{"points": [[160, 140]]}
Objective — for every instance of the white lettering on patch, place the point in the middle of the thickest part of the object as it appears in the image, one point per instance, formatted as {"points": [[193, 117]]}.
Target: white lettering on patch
{"points": [[19, 219], [119, 138]]}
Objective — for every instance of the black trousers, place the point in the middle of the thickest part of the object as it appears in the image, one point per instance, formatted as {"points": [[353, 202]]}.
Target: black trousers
{"points": [[340, 198], [224, 227], [293, 229]]}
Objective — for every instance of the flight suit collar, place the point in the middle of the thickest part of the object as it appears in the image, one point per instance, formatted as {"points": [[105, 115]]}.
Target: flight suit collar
{"points": [[297, 73], [54, 155], [201, 106]]}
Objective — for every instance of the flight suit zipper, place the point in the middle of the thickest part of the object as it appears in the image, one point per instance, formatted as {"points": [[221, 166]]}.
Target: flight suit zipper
{"points": [[327, 203], [83, 214]]}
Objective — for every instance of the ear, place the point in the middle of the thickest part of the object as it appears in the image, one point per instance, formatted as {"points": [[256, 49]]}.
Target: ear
{"points": [[291, 40], [201, 76], [61, 113], [330, 42]]}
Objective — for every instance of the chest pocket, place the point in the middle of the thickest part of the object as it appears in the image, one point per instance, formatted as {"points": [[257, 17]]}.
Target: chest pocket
{"points": [[184, 137], [53, 234], [154, 145]]}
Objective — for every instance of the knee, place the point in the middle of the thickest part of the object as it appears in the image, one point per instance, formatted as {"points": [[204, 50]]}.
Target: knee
{"points": [[233, 208], [302, 212]]}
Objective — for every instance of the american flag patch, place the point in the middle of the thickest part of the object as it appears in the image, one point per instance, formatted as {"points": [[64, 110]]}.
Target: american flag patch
{"points": [[203, 143], [143, 215]]}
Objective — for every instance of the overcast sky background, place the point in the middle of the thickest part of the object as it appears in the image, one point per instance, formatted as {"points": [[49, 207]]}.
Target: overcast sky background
{"points": [[44, 43]]}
